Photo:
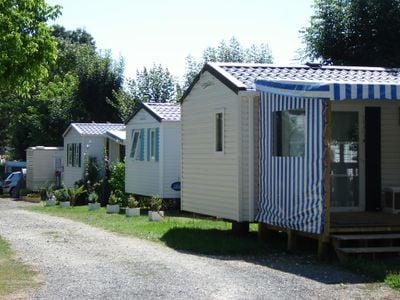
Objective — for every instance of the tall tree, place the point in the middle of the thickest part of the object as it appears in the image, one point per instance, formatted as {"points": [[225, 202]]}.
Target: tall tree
{"points": [[231, 51], [155, 84], [26, 45], [354, 32]]}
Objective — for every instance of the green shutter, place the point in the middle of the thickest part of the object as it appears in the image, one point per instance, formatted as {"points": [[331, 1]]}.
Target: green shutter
{"points": [[157, 143], [132, 154], [80, 155], [141, 144], [148, 144]]}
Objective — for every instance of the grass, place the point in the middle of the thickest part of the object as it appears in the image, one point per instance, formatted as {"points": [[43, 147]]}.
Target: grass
{"points": [[183, 232], [14, 276], [384, 270]]}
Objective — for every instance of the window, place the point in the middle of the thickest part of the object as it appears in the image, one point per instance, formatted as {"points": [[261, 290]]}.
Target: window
{"points": [[152, 144], [219, 131], [135, 144], [289, 133], [74, 155]]}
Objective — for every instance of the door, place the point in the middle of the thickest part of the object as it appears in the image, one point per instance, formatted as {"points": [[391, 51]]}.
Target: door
{"points": [[347, 163]]}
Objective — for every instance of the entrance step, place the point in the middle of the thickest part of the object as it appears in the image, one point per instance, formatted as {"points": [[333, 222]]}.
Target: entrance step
{"points": [[365, 243]]}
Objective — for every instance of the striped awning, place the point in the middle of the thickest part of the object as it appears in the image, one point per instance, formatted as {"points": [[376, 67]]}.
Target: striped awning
{"points": [[332, 90]]}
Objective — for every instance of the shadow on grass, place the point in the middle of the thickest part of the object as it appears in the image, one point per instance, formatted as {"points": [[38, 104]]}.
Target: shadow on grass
{"points": [[224, 245]]}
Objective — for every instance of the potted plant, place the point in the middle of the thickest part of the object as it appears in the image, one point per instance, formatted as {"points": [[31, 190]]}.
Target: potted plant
{"points": [[93, 204], [113, 203], [155, 212], [47, 195], [132, 210], [62, 197]]}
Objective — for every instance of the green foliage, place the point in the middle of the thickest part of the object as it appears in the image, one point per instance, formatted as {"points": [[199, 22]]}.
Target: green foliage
{"points": [[354, 32], [117, 177], [393, 280], [132, 202], [69, 194], [231, 51], [93, 197], [155, 203], [114, 198], [26, 45], [155, 85]]}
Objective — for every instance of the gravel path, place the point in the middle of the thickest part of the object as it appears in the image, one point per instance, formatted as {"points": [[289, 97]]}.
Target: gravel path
{"points": [[77, 261]]}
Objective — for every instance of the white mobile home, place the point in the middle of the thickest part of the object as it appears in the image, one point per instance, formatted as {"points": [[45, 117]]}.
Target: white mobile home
{"points": [[83, 141], [44, 166], [153, 151], [226, 174]]}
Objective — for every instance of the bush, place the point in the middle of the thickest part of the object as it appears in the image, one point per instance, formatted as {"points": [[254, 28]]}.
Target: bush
{"points": [[155, 203], [93, 197], [117, 176], [114, 199], [132, 202]]}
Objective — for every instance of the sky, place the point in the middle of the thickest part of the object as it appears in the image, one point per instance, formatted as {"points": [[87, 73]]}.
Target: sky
{"points": [[147, 32]]}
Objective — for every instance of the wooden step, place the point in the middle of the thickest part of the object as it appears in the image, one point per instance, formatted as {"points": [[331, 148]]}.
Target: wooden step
{"points": [[374, 236], [369, 250]]}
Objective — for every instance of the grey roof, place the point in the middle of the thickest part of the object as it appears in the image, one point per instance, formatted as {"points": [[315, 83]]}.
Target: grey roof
{"points": [[94, 128], [239, 76], [164, 111], [118, 136]]}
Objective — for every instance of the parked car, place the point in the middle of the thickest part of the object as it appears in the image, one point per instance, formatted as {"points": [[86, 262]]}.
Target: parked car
{"points": [[11, 182]]}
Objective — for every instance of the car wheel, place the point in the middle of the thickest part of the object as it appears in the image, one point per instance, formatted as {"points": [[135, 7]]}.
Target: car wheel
{"points": [[11, 192]]}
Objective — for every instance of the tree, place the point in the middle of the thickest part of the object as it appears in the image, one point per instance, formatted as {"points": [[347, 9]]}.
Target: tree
{"points": [[232, 51], [354, 32], [155, 85], [26, 45]]}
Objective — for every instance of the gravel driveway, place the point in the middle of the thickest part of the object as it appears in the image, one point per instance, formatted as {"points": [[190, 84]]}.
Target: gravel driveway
{"points": [[77, 261]]}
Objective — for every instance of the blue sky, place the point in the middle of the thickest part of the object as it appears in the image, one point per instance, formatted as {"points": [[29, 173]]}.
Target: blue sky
{"points": [[166, 31]]}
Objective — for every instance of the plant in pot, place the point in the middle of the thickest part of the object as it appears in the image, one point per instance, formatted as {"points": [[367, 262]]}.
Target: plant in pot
{"points": [[62, 197], [133, 209], [93, 204], [47, 195], [155, 212], [113, 203]]}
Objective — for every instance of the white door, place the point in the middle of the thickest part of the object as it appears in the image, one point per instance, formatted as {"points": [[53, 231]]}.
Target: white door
{"points": [[347, 159]]}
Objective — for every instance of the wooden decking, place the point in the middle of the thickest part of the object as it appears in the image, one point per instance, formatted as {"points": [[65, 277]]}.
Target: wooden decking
{"points": [[364, 222]]}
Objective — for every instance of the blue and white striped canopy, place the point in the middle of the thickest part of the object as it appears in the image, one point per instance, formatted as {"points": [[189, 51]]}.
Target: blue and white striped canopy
{"points": [[292, 191], [332, 91]]}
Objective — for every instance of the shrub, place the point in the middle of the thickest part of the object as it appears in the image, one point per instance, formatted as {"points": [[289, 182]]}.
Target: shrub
{"points": [[93, 197], [132, 202], [117, 176], [155, 203], [114, 199]]}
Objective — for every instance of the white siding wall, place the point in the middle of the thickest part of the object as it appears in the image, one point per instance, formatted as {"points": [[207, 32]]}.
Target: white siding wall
{"points": [[94, 147], [141, 177], [41, 167], [244, 174], [72, 174], [210, 181], [170, 155]]}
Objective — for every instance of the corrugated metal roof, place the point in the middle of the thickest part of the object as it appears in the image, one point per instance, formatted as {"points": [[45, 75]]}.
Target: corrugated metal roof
{"points": [[95, 128], [118, 136], [165, 111]]}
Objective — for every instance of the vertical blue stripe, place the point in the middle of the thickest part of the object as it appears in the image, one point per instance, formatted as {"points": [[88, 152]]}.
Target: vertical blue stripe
{"points": [[382, 92], [336, 91], [393, 92], [371, 92], [359, 91]]}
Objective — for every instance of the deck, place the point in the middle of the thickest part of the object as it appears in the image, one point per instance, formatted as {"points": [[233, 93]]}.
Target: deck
{"points": [[364, 222]]}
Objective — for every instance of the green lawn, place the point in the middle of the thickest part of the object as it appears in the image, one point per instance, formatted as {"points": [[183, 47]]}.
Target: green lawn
{"points": [[184, 232], [14, 276]]}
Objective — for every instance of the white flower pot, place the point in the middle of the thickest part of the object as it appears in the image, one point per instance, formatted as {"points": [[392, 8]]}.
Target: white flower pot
{"points": [[156, 215], [65, 204], [132, 212], [51, 202], [112, 208], [93, 206]]}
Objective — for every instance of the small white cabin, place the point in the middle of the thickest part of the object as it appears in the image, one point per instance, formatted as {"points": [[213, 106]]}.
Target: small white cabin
{"points": [[87, 140], [152, 164], [42, 165]]}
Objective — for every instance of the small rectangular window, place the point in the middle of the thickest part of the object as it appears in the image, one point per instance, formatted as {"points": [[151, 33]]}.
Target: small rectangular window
{"points": [[289, 133], [152, 144], [135, 144], [219, 132], [74, 155]]}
